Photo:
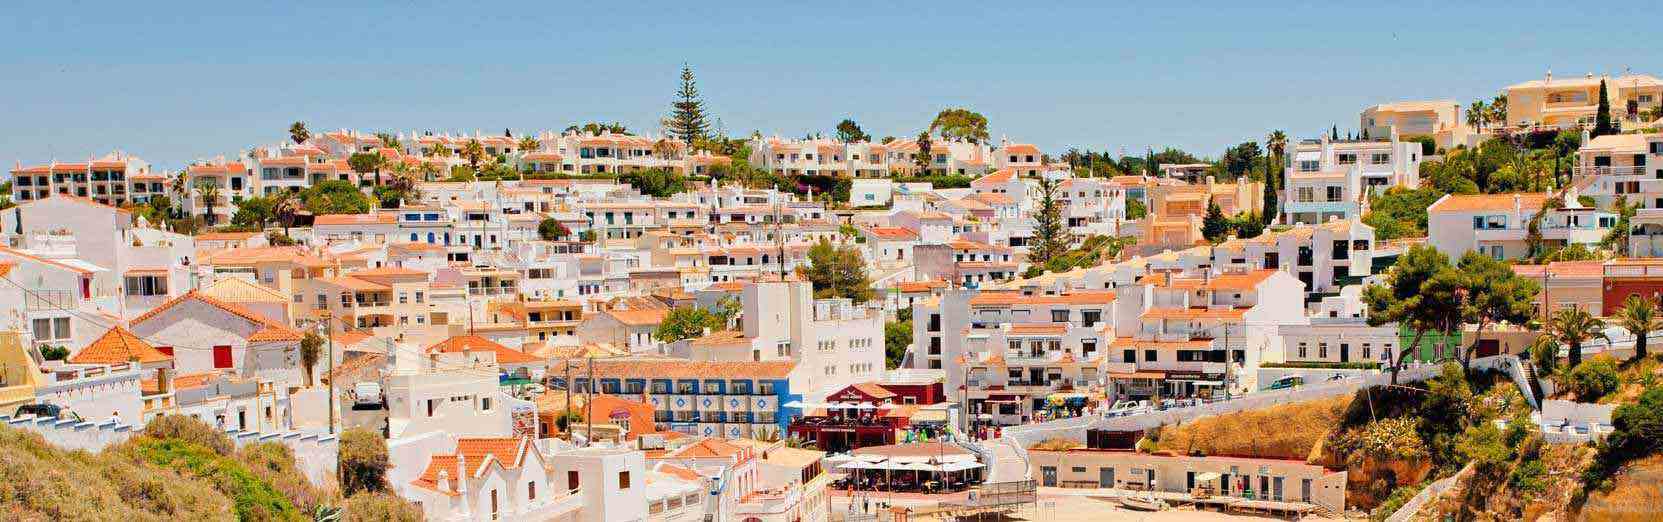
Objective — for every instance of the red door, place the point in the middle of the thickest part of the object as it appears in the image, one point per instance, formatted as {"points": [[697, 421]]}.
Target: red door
{"points": [[222, 356]]}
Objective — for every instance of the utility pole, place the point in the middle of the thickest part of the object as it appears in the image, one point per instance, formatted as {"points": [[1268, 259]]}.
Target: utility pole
{"points": [[591, 403], [329, 337]]}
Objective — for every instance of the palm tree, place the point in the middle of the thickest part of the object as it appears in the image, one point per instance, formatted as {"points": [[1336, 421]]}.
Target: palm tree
{"points": [[298, 132], [1574, 326], [529, 143], [180, 186], [474, 152], [210, 195], [429, 171], [439, 149], [1498, 110], [1477, 114], [1640, 317]]}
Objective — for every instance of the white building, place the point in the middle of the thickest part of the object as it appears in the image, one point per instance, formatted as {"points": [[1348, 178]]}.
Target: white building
{"points": [[1498, 225], [1327, 178]]}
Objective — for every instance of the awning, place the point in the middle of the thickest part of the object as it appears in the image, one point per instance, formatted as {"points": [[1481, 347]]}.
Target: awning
{"points": [[1138, 375]]}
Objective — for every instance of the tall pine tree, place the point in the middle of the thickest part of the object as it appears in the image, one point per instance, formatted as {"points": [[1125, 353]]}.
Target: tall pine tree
{"points": [[688, 121], [1051, 237], [1602, 118]]}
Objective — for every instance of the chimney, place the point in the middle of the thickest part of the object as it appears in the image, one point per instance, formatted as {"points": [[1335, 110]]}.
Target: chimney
{"points": [[1549, 77], [444, 478], [1518, 204]]}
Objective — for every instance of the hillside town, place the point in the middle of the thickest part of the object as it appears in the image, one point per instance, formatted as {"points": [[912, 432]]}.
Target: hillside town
{"points": [[1438, 309]]}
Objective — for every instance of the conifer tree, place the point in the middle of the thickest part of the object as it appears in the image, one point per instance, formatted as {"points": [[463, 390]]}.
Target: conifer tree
{"points": [[688, 121], [1051, 237]]}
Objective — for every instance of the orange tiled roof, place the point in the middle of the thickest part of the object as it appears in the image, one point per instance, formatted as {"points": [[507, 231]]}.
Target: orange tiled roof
{"points": [[383, 218], [892, 233], [505, 355], [912, 287], [1012, 297], [1194, 313], [639, 317], [476, 453], [117, 346], [1239, 281], [1470, 202], [680, 368], [998, 176], [1038, 329]]}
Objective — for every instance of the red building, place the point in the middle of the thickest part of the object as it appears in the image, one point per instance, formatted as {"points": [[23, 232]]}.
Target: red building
{"points": [[1626, 277], [864, 415]]}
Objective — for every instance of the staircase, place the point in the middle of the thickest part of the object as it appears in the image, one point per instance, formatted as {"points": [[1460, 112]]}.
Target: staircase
{"points": [[1532, 386]]}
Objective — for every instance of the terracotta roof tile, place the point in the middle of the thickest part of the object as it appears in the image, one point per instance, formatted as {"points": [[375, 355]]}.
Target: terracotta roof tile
{"points": [[117, 346], [505, 355]]}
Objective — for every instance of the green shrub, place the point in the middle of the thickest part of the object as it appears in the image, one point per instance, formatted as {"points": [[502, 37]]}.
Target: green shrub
{"points": [[363, 461], [1529, 476], [1395, 501], [191, 430], [54, 353], [1593, 379], [254, 499]]}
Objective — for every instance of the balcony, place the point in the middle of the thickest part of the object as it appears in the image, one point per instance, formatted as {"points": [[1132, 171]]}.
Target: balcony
{"points": [[1581, 170]]}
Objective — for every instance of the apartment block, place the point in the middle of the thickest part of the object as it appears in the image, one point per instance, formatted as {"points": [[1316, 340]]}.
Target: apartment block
{"points": [[1498, 225], [1327, 178]]}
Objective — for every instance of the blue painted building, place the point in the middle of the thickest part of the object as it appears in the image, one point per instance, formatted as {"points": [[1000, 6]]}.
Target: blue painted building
{"points": [[703, 398]]}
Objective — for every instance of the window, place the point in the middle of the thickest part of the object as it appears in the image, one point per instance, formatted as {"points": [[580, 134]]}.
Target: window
{"points": [[147, 285], [1380, 158], [1309, 165], [1333, 194], [623, 480], [51, 328], [1059, 316], [531, 490], [1348, 159], [222, 356], [1303, 350], [571, 480], [1305, 195]]}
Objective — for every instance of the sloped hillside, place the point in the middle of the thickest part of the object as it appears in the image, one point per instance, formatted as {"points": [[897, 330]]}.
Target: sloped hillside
{"points": [[179, 469], [1298, 429]]}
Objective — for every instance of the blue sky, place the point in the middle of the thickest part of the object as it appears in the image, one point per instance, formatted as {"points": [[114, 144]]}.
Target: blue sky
{"points": [[187, 81]]}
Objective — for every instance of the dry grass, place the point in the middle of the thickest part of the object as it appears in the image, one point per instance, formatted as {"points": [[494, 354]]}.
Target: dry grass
{"points": [[379, 507], [1636, 495], [1056, 444], [1632, 377], [41, 482], [1289, 431]]}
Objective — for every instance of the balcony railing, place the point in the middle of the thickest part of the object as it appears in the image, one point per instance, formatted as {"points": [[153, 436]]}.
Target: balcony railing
{"points": [[1581, 170]]}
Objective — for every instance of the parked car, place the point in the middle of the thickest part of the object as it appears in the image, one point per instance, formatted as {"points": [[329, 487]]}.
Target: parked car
{"points": [[46, 410], [1284, 383], [1127, 408], [367, 394]]}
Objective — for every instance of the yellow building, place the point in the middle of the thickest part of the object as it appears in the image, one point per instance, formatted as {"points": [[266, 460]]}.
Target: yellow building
{"points": [[1440, 119], [1567, 102]]}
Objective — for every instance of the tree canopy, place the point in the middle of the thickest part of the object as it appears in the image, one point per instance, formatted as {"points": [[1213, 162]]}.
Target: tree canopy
{"points": [[550, 229], [335, 197], [1051, 236], [960, 123], [849, 132], [658, 183], [837, 271]]}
